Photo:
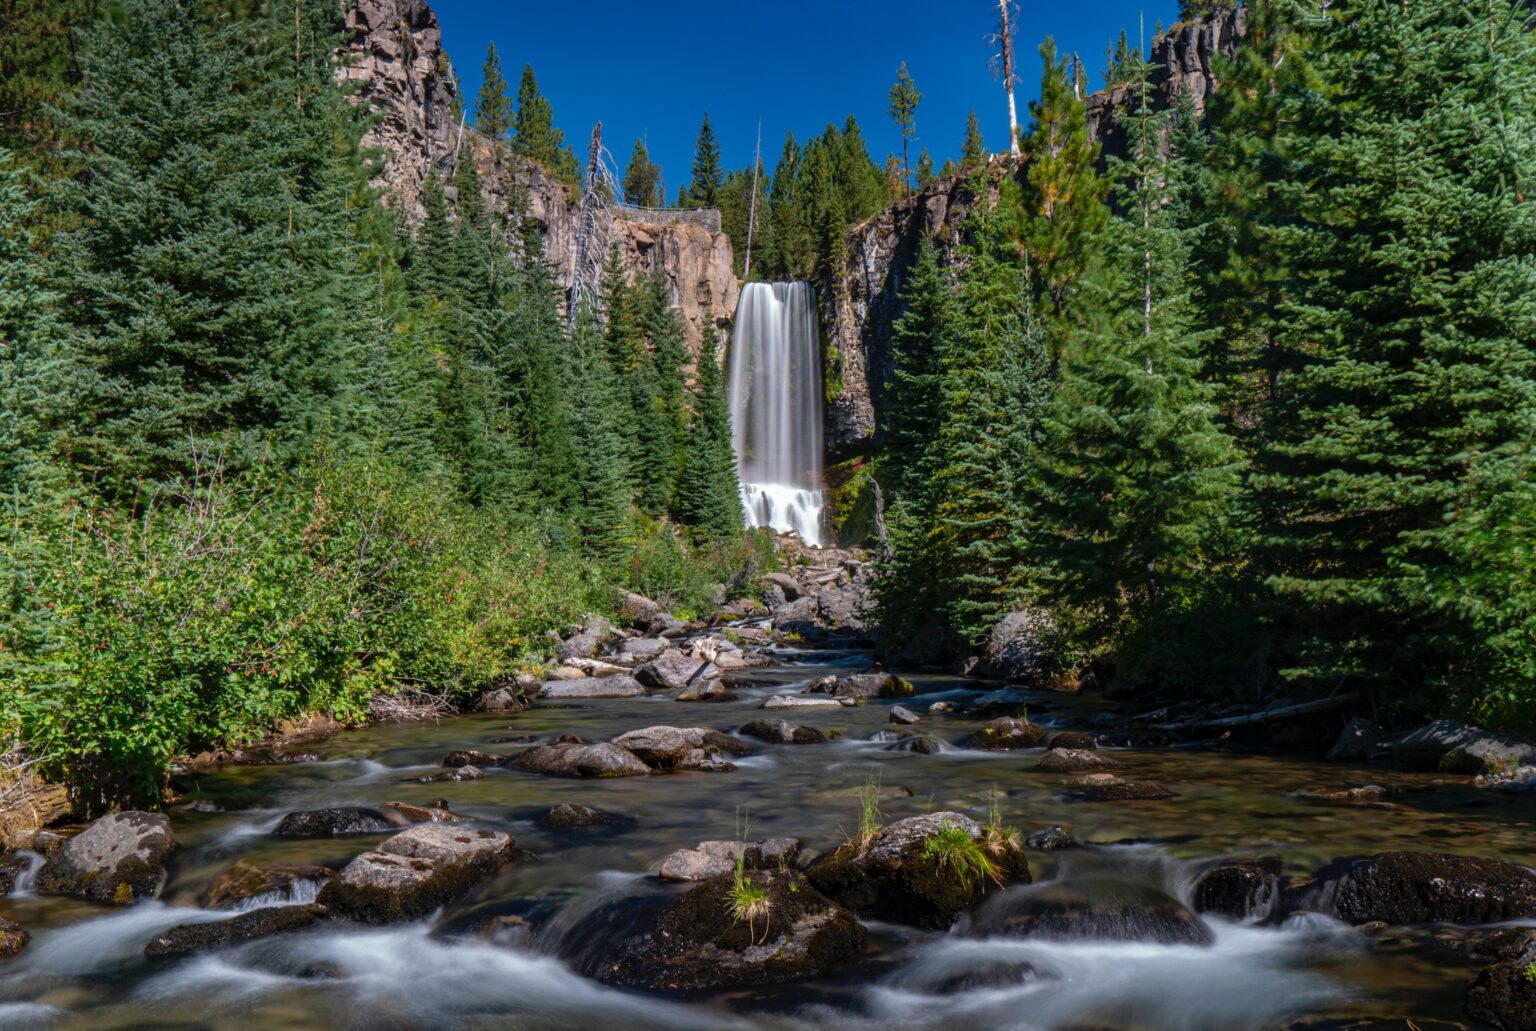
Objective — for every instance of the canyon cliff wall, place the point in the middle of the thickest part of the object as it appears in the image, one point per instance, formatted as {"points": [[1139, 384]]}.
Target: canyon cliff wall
{"points": [[395, 62], [860, 309]]}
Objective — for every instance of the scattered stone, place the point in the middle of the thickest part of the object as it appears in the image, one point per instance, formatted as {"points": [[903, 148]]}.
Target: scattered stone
{"points": [[674, 670], [596, 667], [1008, 733], [1051, 839], [505, 699], [1373, 795], [902, 714], [715, 858], [415, 872], [1361, 739], [13, 938], [681, 748], [1447, 746], [1066, 911], [244, 880], [580, 760], [1519, 781], [621, 685], [783, 732], [1426, 887], [565, 815], [258, 923], [1078, 740], [1106, 787], [582, 646], [899, 878], [1073, 760], [937, 707], [463, 773], [334, 823], [403, 814], [922, 744], [697, 942], [800, 701], [470, 757], [705, 691], [1241, 889], [117, 860], [862, 686]]}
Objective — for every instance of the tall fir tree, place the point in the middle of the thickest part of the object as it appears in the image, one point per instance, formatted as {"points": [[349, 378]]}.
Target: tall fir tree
{"points": [[973, 151], [642, 184], [904, 98], [493, 107], [534, 135], [708, 493], [708, 175]]}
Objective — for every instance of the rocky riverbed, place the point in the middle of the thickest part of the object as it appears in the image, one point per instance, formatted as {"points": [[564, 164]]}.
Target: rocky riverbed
{"points": [[749, 825]]}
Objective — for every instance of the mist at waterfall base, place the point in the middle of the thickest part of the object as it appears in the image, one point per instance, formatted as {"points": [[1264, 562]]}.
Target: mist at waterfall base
{"points": [[775, 401]]}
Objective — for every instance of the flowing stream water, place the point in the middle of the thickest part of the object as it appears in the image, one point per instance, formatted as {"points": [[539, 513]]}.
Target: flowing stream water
{"points": [[776, 401], [493, 960]]}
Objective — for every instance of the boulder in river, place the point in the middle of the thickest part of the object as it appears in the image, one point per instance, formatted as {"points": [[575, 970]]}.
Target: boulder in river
{"points": [[922, 871], [580, 760], [1241, 889], [565, 815], [1106, 787], [674, 670], [1447, 746], [463, 773], [705, 691], [714, 858], [1504, 994], [1080, 740], [862, 686], [681, 748], [117, 860], [1073, 760], [403, 814], [1006, 733], [1427, 887], [415, 872], [1101, 911], [1051, 839], [337, 822], [903, 715], [245, 880], [13, 938], [712, 937], [621, 685], [257, 923], [922, 744], [471, 757], [783, 732], [1360, 739], [802, 701]]}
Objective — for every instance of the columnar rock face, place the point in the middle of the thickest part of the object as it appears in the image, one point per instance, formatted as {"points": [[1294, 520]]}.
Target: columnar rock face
{"points": [[395, 60], [859, 311]]}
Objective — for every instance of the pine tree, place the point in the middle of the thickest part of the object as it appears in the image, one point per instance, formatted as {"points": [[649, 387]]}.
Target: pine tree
{"points": [[904, 98], [708, 493], [642, 179], [493, 108], [38, 68], [534, 135], [859, 182], [794, 246], [918, 339], [1121, 63], [708, 177], [924, 168], [973, 151], [602, 483]]}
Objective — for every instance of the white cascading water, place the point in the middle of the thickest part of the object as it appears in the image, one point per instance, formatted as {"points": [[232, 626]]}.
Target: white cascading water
{"points": [[775, 397]]}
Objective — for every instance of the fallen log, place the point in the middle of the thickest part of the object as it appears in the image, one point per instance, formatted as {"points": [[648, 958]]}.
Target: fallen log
{"points": [[1283, 712]]}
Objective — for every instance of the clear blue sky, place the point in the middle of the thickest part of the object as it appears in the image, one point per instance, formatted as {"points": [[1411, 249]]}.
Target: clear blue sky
{"points": [[651, 68]]}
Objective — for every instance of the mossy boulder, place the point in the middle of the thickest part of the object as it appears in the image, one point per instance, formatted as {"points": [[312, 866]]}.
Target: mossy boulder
{"points": [[117, 860], [1007, 733], [415, 872], [900, 879], [244, 880], [13, 938]]}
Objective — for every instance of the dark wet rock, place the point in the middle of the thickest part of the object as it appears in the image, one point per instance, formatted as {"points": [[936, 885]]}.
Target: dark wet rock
{"points": [[463, 773], [674, 670], [580, 760], [1078, 740], [1006, 733], [802, 701], [258, 923], [922, 744], [471, 757], [1106, 787], [1373, 795], [1447, 746], [1360, 739], [334, 823], [1021, 647], [565, 815], [1504, 993], [902, 714], [506, 699], [1102, 911], [705, 691], [13, 938], [403, 814], [714, 858], [681, 748], [863, 686], [515, 739], [1241, 889], [783, 732], [1051, 839], [642, 649], [415, 872], [1427, 887], [621, 685], [900, 879], [11, 868], [117, 860], [695, 942], [1073, 760], [244, 880]]}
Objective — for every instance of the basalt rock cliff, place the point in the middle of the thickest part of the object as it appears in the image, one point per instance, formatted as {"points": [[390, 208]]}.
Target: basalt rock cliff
{"points": [[395, 60], [860, 308]]}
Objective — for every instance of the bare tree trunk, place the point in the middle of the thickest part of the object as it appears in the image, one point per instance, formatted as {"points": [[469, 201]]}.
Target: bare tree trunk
{"points": [[757, 161], [1005, 31]]}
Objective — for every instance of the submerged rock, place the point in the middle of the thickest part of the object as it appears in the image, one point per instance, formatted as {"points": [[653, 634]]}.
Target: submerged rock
{"points": [[334, 823], [13, 938], [1073, 760], [415, 872], [1106, 787], [246, 880], [117, 860], [1114, 912], [1426, 887], [1007, 733], [570, 814], [471, 757], [783, 732], [258, 923], [580, 760], [620, 685], [714, 858], [915, 872], [1242, 889], [681, 748], [699, 940]]}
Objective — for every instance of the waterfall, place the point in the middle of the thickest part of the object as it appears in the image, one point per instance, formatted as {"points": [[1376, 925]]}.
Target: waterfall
{"points": [[775, 396]]}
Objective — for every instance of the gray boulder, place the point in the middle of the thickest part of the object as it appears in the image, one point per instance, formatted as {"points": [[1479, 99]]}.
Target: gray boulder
{"points": [[582, 646], [783, 732], [642, 649], [1451, 747], [715, 858], [415, 872], [705, 691], [787, 585], [1022, 647], [674, 670], [117, 860], [580, 760], [681, 748], [801, 701], [258, 923], [471, 757], [1073, 760], [904, 715], [620, 685]]}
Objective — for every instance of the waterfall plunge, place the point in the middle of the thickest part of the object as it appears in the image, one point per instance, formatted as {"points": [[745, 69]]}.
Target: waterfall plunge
{"points": [[775, 395]]}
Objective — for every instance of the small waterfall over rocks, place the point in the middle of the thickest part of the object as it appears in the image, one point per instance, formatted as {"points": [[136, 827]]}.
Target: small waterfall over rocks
{"points": [[776, 399]]}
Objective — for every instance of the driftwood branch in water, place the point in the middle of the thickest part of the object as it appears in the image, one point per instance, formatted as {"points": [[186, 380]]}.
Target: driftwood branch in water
{"points": [[1284, 712]]}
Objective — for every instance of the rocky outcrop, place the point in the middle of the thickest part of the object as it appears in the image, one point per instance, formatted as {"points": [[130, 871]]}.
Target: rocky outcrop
{"points": [[117, 860], [717, 858], [395, 62]]}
